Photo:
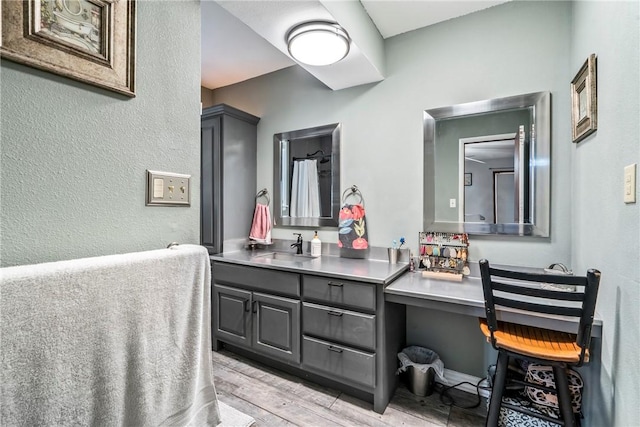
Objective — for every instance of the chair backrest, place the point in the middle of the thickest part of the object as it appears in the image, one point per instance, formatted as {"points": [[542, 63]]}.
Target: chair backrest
{"points": [[524, 291]]}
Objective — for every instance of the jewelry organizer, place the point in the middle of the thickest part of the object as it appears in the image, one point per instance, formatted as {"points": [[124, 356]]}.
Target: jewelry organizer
{"points": [[444, 255]]}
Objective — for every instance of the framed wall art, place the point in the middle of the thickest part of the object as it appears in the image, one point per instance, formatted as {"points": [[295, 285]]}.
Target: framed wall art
{"points": [[584, 101], [92, 41]]}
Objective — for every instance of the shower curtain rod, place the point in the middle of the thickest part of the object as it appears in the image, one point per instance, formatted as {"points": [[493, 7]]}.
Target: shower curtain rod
{"points": [[312, 157]]}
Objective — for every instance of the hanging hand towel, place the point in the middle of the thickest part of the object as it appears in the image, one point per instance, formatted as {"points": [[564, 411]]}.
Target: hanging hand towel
{"points": [[352, 236], [261, 225]]}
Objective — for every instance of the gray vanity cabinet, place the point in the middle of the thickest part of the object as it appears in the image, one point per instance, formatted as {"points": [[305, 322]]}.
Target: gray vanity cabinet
{"points": [[228, 139], [248, 312], [351, 335], [341, 333], [339, 342]]}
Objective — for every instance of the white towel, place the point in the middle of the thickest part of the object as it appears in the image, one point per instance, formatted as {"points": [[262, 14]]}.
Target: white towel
{"points": [[119, 340]]}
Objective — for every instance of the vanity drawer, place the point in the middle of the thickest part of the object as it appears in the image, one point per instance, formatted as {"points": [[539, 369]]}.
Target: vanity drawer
{"points": [[348, 327], [279, 282], [342, 292], [341, 362]]}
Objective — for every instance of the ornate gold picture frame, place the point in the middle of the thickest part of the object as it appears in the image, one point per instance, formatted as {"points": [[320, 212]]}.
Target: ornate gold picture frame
{"points": [[92, 41], [584, 101]]}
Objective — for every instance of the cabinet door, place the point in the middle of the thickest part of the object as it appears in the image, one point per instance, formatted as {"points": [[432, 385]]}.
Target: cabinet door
{"points": [[232, 315], [343, 326], [351, 366], [276, 327], [211, 184]]}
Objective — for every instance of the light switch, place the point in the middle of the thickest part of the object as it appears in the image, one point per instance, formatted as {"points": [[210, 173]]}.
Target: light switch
{"points": [[452, 203], [167, 189], [630, 183]]}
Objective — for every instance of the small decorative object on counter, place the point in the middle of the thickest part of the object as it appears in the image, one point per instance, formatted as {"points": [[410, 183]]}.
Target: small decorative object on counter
{"points": [[444, 255], [316, 245], [412, 265]]}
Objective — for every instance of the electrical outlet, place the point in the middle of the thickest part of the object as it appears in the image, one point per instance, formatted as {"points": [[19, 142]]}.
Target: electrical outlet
{"points": [[630, 183], [452, 203], [168, 189]]}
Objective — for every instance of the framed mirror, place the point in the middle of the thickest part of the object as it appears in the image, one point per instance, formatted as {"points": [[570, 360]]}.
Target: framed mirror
{"points": [[487, 166], [307, 177]]}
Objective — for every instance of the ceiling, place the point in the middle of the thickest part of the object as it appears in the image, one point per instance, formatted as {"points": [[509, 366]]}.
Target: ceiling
{"points": [[243, 39]]}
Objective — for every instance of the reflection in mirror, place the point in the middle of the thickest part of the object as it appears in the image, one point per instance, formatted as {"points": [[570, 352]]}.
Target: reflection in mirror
{"points": [[487, 166], [307, 177]]}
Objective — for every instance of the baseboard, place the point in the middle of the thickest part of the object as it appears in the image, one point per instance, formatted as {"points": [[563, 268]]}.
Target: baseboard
{"points": [[455, 377]]}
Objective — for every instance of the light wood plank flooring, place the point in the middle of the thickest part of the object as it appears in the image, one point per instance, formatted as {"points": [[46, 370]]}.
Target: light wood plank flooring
{"points": [[275, 398]]}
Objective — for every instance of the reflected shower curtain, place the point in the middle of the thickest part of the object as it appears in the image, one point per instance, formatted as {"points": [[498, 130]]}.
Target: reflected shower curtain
{"points": [[305, 192]]}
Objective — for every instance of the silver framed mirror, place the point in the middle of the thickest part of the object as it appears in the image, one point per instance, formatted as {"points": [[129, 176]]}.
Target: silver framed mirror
{"points": [[307, 177], [487, 166]]}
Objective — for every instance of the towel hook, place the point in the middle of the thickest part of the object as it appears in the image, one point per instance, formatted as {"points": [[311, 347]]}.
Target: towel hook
{"points": [[352, 191], [263, 193]]}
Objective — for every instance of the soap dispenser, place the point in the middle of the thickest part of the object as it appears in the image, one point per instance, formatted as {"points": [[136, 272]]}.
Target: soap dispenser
{"points": [[316, 246]]}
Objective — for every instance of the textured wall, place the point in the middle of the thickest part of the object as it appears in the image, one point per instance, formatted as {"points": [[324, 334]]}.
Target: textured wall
{"points": [[74, 156], [606, 232]]}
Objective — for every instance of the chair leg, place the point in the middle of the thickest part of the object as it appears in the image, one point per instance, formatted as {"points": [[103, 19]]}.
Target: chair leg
{"points": [[498, 389], [564, 395]]}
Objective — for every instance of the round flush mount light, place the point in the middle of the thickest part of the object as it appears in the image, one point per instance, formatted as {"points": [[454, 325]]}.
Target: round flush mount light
{"points": [[318, 43]]}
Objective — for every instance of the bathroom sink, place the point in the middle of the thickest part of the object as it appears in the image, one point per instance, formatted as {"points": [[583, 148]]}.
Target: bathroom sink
{"points": [[284, 256]]}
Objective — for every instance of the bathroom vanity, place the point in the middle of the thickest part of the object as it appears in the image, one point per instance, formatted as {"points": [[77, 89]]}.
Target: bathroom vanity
{"points": [[325, 319]]}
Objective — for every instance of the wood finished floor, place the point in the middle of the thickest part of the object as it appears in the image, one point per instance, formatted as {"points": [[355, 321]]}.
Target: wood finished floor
{"points": [[275, 398]]}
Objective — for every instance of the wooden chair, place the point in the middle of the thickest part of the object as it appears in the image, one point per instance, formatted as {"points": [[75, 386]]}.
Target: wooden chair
{"points": [[524, 291]]}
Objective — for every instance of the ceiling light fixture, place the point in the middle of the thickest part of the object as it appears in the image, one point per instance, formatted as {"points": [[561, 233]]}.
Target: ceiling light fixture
{"points": [[318, 43]]}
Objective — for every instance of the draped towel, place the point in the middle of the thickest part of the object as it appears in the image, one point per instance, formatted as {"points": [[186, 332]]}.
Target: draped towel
{"points": [[352, 234], [118, 340], [261, 225], [305, 190]]}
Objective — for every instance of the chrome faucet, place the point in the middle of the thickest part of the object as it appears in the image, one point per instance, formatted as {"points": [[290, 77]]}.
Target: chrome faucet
{"points": [[298, 244]]}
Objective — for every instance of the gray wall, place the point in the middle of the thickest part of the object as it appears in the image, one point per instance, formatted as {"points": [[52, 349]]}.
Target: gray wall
{"points": [[601, 221], [74, 156], [382, 149], [462, 60]]}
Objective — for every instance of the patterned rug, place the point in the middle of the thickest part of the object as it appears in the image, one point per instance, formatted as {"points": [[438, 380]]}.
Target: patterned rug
{"points": [[231, 417]]}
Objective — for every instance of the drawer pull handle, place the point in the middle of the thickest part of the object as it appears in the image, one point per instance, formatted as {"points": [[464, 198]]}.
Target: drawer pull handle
{"points": [[336, 349], [335, 313], [337, 285]]}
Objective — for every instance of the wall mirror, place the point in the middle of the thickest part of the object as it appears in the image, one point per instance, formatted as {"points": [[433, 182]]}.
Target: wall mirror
{"points": [[487, 166], [307, 177]]}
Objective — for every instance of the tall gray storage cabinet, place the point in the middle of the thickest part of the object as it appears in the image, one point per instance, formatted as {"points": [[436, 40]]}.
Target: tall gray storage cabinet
{"points": [[228, 173]]}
